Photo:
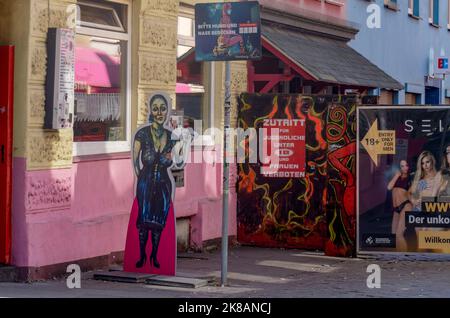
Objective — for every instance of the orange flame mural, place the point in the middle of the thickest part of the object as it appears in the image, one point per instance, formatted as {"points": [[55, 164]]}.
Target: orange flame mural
{"points": [[316, 211]]}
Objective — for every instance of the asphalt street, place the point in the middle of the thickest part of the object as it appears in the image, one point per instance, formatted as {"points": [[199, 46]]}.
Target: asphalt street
{"points": [[270, 273]]}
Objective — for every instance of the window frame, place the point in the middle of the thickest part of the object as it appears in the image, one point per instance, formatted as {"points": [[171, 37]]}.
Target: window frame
{"points": [[102, 26], [412, 7], [86, 148], [186, 11], [431, 20], [391, 4], [448, 15]]}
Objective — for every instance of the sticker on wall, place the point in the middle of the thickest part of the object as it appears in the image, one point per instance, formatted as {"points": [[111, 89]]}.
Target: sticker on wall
{"points": [[157, 149]]}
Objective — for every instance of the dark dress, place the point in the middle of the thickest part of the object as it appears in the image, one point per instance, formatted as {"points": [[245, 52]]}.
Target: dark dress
{"points": [[154, 186]]}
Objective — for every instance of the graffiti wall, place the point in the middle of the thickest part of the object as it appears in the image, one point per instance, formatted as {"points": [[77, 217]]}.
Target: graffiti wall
{"points": [[311, 204], [341, 172]]}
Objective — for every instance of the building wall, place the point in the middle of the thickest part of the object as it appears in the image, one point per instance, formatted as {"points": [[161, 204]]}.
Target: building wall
{"points": [[318, 9], [401, 46], [69, 208]]}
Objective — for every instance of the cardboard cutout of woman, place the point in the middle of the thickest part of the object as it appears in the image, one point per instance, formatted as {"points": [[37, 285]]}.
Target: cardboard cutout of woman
{"points": [[156, 150]]}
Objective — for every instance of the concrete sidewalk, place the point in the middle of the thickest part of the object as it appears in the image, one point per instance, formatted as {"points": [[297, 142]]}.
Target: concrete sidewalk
{"points": [[260, 272]]}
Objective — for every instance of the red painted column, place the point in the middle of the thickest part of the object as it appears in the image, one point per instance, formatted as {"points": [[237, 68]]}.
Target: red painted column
{"points": [[6, 128]]}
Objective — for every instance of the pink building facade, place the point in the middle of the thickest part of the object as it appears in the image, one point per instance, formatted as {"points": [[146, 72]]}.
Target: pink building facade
{"points": [[82, 213]]}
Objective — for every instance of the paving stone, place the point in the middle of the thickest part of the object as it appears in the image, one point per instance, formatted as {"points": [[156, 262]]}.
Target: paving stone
{"points": [[176, 281], [124, 277]]}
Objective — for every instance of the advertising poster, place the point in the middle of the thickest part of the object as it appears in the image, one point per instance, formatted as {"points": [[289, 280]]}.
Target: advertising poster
{"points": [[403, 179], [227, 31]]}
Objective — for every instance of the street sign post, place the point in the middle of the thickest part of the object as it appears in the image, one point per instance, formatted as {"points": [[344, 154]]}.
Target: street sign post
{"points": [[227, 31]]}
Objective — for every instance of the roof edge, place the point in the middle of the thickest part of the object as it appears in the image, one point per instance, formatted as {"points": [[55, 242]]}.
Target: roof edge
{"points": [[342, 30]]}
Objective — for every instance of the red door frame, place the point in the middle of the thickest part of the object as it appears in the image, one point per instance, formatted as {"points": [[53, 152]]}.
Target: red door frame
{"points": [[6, 127]]}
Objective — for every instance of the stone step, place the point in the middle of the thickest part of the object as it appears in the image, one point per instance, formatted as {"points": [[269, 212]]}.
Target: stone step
{"points": [[176, 281], [8, 274], [149, 279], [124, 277], [208, 278]]}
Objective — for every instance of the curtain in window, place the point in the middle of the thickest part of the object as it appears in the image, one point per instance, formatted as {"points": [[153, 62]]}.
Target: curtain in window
{"points": [[97, 107]]}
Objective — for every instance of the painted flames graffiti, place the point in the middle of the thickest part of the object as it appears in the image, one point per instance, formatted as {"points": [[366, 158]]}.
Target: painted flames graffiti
{"points": [[315, 212]]}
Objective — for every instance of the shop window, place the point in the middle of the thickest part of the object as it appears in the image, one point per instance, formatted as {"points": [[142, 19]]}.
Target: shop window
{"points": [[101, 15], [192, 91], [102, 71]]}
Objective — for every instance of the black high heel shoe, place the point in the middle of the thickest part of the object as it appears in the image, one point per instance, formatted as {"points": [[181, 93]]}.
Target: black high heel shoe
{"points": [[154, 261], [140, 263]]}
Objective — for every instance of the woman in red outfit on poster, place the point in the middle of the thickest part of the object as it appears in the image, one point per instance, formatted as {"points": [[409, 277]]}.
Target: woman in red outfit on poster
{"points": [[400, 185], [226, 41]]}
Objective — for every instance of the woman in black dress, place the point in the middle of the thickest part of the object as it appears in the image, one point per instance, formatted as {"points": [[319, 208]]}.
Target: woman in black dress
{"points": [[155, 149]]}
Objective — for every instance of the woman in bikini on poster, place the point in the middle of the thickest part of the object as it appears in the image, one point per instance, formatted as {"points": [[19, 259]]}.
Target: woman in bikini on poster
{"points": [[400, 185], [427, 181]]}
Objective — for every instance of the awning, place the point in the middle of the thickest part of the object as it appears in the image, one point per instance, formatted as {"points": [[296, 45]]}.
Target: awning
{"points": [[327, 59], [96, 68], [183, 88]]}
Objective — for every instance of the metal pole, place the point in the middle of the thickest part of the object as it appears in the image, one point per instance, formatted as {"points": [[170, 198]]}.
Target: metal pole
{"points": [[226, 171]]}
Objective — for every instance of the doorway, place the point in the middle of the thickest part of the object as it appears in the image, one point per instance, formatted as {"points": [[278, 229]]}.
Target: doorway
{"points": [[432, 95], [6, 126]]}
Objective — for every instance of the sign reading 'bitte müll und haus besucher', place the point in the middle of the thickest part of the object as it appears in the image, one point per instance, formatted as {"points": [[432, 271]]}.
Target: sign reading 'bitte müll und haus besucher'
{"points": [[227, 31]]}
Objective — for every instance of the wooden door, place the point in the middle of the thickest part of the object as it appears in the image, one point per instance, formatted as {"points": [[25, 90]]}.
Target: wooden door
{"points": [[6, 127]]}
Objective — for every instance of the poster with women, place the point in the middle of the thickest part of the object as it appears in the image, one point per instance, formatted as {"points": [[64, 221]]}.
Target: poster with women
{"points": [[227, 31], [403, 179], [157, 150]]}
